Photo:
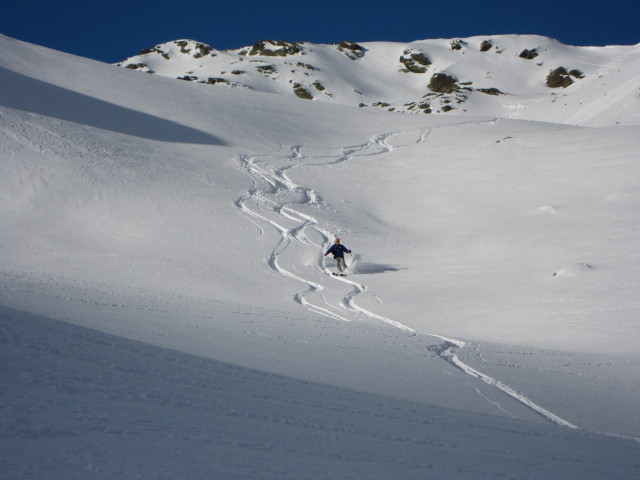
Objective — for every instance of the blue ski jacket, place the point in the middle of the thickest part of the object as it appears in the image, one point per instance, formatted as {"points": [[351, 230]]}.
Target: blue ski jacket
{"points": [[338, 250]]}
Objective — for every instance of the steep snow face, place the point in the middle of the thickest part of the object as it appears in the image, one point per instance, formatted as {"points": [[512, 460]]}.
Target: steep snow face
{"points": [[515, 76]]}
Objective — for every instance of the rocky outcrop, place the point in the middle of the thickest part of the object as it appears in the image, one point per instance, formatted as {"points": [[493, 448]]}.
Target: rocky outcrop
{"points": [[301, 91], [139, 66], [274, 48], [156, 49], [267, 69], [490, 91], [486, 45], [414, 61], [352, 49], [561, 78], [443, 83], [457, 44], [529, 54], [216, 81]]}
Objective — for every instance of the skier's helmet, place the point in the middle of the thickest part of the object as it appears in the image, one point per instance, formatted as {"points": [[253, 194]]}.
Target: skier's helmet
{"points": [[337, 240]]}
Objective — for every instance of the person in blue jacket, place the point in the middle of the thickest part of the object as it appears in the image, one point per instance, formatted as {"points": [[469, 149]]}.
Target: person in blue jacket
{"points": [[338, 250]]}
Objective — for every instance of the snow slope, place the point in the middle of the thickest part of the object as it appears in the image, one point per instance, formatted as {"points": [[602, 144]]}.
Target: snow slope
{"points": [[93, 405], [498, 75], [187, 224]]}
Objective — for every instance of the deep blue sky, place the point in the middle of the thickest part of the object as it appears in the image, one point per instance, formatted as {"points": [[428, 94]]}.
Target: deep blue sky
{"points": [[113, 30]]}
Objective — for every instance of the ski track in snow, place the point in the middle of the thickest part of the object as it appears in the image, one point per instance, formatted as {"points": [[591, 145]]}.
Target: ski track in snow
{"points": [[274, 199]]}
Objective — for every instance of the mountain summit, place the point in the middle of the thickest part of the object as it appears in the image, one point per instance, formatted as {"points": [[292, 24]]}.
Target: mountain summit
{"points": [[516, 76]]}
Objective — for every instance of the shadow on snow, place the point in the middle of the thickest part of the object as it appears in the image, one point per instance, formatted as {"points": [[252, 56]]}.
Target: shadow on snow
{"points": [[30, 95], [371, 268]]}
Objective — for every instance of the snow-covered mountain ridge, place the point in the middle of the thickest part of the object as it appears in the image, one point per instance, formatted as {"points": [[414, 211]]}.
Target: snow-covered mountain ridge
{"points": [[515, 76]]}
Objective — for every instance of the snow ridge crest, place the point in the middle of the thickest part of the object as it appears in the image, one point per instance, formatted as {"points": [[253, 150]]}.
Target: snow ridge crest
{"points": [[517, 76]]}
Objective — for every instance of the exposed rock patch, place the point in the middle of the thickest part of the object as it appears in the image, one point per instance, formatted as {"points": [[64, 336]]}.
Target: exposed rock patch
{"points": [[267, 69], [457, 44], [529, 54], [306, 65], [352, 49], [560, 77], [443, 83], [216, 81], [301, 91], [414, 61], [275, 48], [486, 45], [490, 91], [139, 66], [156, 49]]}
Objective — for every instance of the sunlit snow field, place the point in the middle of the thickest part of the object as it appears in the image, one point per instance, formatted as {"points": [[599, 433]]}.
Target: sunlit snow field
{"points": [[167, 311]]}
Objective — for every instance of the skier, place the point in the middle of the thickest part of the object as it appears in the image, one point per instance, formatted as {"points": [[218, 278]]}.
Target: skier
{"points": [[338, 250]]}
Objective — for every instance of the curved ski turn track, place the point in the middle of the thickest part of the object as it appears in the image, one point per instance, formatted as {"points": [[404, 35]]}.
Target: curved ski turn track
{"points": [[275, 201]]}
